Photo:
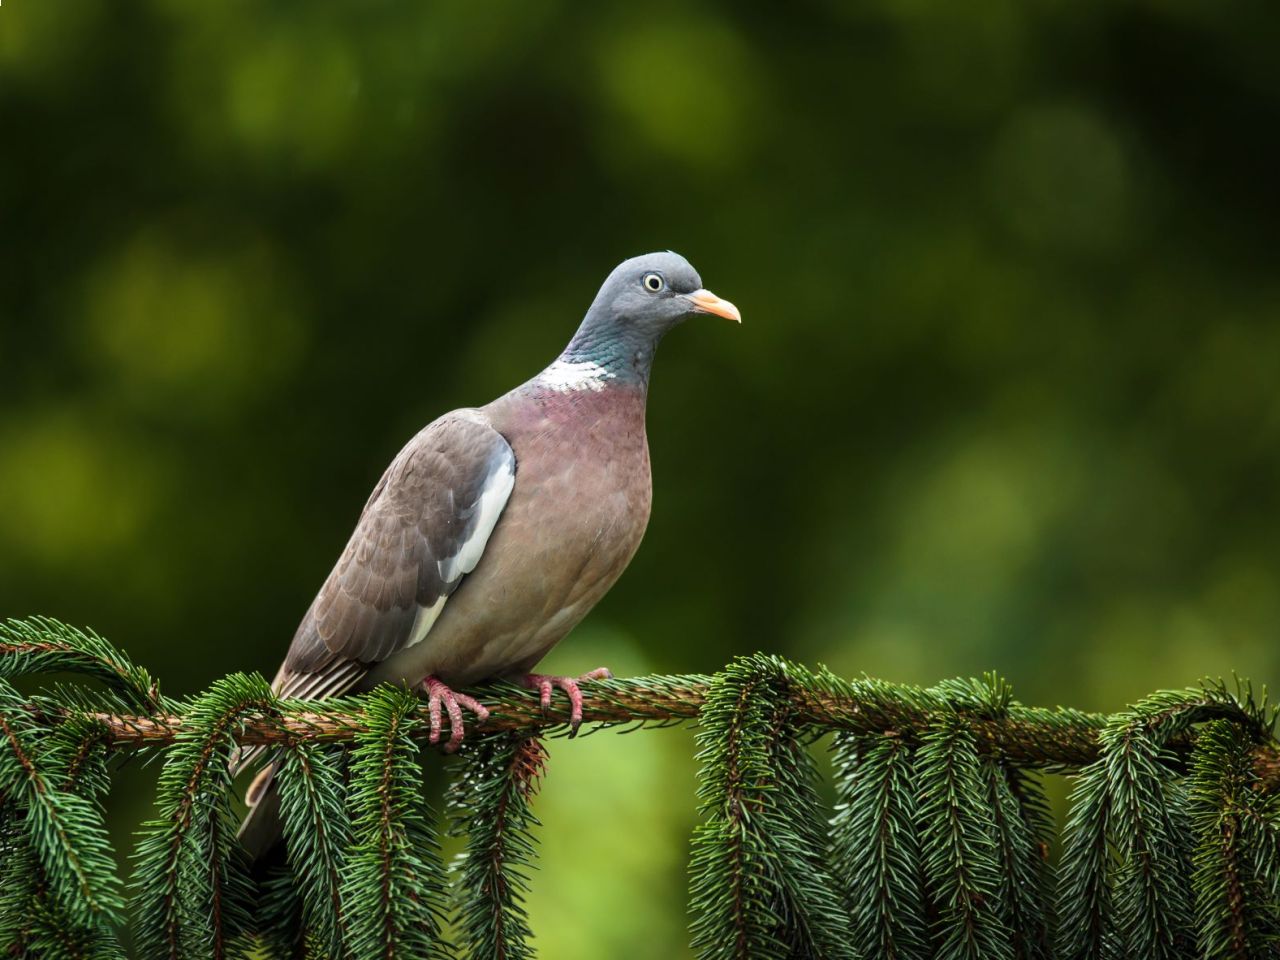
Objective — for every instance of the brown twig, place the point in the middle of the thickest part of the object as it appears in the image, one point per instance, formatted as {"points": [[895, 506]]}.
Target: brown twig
{"points": [[1026, 736]]}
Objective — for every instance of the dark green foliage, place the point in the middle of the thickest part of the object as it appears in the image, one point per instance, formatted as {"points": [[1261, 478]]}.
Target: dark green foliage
{"points": [[394, 885], [64, 828], [20, 882], [43, 645], [30, 918], [490, 804], [1084, 891], [943, 848], [876, 847], [1152, 881], [193, 893], [938, 846], [1127, 885], [1023, 830], [59, 892], [49, 936], [281, 928], [960, 855], [1237, 839], [317, 832], [761, 885]]}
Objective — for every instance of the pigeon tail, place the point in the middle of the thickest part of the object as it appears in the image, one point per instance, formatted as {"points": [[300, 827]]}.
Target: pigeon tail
{"points": [[262, 830]]}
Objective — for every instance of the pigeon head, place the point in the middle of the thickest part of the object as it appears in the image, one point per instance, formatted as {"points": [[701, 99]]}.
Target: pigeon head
{"points": [[654, 292], [640, 300]]}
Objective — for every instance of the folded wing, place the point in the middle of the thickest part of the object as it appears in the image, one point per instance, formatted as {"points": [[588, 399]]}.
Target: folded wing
{"points": [[424, 528]]}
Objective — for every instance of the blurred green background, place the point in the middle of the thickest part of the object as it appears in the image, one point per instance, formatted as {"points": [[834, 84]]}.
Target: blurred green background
{"points": [[1006, 394]]}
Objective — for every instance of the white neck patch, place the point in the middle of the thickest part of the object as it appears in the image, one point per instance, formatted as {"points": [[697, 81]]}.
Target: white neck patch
{"points": [[565, 376]]}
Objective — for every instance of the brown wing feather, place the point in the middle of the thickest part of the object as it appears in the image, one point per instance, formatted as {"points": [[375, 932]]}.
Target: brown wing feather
{"points": [[424, 513]]}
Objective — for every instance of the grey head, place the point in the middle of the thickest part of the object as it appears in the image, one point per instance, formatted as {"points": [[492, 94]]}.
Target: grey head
{"points": [[641, 300]]}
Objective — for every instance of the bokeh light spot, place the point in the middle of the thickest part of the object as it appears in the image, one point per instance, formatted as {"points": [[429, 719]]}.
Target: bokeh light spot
{"points": [[1060, 179], [293, 96], [208, 330], [685, 94], [72, 494]]}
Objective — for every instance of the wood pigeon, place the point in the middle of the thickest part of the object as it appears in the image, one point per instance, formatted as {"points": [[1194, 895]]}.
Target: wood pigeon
{"points": [[496, 529]]}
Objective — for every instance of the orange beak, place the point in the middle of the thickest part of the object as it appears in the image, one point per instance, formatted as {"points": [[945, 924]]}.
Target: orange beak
{"points": [[704, 301]]}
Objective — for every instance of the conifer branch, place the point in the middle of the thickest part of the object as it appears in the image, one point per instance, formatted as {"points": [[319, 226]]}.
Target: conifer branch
{"points": [[960, 853], [491, 805], [30, 919], [395, 886], [72, 849], [1023, 831], [192, 884], [938, 847], [876, 846], [317, 833], [1236, 914], [1027, 737], [760, 886], [43, 645]]}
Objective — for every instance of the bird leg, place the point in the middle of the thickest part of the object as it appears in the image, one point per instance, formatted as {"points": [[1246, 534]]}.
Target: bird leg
{"points": [[440, 695], [544, 684]]}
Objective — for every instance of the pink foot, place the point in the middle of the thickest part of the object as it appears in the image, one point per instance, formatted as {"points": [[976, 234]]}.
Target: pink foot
{"points": [[544, 684], [437, 695]]}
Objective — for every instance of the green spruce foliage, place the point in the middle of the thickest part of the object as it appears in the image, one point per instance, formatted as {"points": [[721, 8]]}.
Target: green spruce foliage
{"points": [[490, 806], [940, 843]]}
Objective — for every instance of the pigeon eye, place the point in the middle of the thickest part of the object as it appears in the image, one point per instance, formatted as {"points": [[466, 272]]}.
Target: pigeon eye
{"points": [[653, 282]]}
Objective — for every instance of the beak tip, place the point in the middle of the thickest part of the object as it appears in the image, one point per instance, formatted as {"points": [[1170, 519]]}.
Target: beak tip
{"points": [[704, 301]]}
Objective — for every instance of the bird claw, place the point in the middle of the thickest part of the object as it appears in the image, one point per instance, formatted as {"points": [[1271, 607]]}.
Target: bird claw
{"points": [[545, 683], [438, 696]]}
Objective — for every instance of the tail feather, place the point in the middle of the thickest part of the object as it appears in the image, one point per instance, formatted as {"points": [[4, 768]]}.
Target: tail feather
{"points": [[261, 829], [245, 757]]}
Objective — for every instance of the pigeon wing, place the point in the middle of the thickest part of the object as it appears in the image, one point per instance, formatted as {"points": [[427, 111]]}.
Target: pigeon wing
{"points": [[424, 528]]}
